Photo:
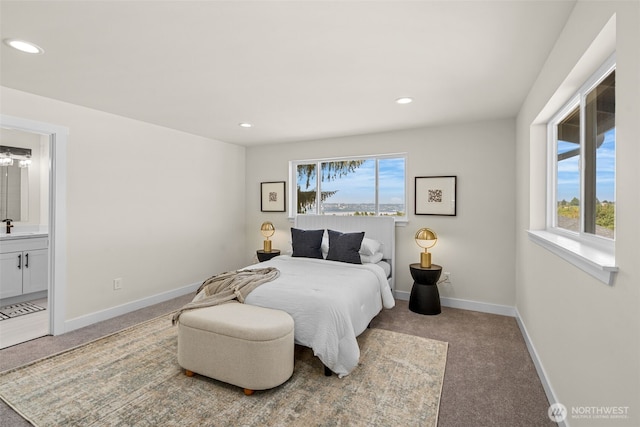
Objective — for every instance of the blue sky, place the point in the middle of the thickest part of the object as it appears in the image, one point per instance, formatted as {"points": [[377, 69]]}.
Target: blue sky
{"points": [[359, 186], [569, 175]]}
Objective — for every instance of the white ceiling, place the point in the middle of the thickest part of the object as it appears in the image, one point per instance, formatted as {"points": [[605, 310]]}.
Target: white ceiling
{"points": [[297, 70]]}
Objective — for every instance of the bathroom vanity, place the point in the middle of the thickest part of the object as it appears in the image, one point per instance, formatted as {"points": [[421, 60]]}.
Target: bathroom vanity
{"points": [[23, 264]]}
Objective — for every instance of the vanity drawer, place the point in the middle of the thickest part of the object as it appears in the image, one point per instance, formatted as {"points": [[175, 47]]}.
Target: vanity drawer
{"points": [[20, 245]]}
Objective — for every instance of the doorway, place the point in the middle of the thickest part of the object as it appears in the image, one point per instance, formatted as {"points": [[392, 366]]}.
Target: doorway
{"points": [[24, 260], [56, 267]]}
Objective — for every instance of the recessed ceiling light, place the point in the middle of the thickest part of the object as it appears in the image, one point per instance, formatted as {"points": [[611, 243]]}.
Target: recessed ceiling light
{"points": [[245, 125], [23, 46], [404, 100]]}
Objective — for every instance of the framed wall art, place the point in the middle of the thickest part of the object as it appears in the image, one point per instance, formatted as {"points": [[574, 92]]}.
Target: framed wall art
{"points": [[272, 196], [435, 195]]}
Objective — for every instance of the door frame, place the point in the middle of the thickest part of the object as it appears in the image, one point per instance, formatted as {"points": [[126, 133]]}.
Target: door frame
{"points": [[58, 138]]}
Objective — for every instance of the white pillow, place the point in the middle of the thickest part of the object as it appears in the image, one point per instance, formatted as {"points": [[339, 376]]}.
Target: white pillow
{"points": [[371, 259], [324, 247], [369, 247]]}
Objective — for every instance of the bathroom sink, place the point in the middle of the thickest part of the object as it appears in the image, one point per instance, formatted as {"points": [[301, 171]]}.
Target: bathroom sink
{"points": [[21, 235]]}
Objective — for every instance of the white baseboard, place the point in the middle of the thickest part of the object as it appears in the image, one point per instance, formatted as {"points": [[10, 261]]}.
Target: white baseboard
{"points": [[99, 316], [483, 307], [548, 390]]}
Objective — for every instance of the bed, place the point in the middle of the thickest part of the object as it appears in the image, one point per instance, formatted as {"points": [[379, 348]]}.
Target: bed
{"points": [[332, 302]]}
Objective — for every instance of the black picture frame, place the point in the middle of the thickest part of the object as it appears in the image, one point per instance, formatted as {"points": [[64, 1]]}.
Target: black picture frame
{"points": [[273, 197], [436, 195]]}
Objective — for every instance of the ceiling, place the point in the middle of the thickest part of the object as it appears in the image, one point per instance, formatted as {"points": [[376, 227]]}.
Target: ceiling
{"points": [[296, 70]]}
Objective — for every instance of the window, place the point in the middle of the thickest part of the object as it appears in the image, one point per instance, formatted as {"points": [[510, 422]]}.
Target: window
{"points": [[372, 185], [582, 163]]}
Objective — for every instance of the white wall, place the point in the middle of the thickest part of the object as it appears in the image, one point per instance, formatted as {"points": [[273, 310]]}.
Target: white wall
{"points": [[159, 208], [476, 246], [586, 334]]}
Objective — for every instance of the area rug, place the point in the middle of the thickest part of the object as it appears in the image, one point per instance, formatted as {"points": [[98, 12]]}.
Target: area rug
{"points": [[132, 378], [20, 309]]}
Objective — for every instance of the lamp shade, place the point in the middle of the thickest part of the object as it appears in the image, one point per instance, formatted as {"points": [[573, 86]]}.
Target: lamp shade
{"points": [[267, 229], [426, 238]]}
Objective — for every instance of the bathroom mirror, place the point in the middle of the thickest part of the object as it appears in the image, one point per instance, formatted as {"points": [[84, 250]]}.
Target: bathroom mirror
{"points": [[14, 188], [15, 182]]}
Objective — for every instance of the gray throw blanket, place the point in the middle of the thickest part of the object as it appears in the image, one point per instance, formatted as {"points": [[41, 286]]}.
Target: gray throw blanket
{"points": [[229, 286]]}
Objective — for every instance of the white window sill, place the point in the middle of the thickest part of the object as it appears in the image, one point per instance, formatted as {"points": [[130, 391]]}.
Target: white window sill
{"points": [[594, 261], [399, 222]]}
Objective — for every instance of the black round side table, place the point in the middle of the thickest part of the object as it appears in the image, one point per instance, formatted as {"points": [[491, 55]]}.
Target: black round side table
{"points": [[425, 298], [266, 256]]}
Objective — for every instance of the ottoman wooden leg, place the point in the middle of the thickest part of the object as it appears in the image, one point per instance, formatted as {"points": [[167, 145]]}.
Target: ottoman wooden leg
{"points": [[327, 372], [248, 391], [189, 373]]}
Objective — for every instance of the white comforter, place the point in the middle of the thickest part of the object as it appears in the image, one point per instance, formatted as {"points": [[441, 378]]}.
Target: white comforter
{"points": [[331, 303]]}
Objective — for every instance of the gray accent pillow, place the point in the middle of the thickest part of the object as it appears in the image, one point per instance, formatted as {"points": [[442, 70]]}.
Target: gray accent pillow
{"points": [[345, 247], [306, 243]]}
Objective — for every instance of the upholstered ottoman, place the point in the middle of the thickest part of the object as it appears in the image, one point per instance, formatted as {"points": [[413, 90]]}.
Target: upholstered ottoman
{"points": [[244, 345]]}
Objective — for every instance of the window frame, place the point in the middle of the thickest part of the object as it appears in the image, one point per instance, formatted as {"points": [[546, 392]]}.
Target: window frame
{"points": [[293, 177], [591, 253], [577, 100]]}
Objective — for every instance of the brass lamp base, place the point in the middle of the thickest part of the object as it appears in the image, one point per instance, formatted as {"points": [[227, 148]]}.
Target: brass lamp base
{"points": [[425, 259], [267, 245]]}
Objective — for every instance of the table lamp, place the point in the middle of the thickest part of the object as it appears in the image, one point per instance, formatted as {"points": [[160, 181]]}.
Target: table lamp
{"points": [[426, 238], [267, 229]]}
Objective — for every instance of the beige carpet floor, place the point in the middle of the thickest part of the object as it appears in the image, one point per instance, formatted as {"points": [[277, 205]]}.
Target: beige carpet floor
{"points": [[132, 378], [490, 379]]}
